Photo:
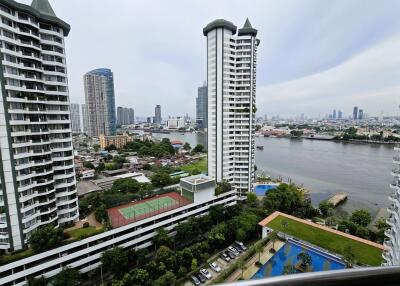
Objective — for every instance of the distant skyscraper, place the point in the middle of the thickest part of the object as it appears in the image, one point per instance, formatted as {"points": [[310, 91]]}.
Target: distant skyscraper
{"points": [[75, 118], [360, 114], [37, 175], [340, 114], [355, 112], [157, 114], [85, 119], [334, 114], [202, 107], [125, 116], [231, 79], [100, 102]]}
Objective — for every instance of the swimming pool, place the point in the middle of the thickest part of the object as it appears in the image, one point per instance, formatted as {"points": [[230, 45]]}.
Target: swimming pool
{"points": [[260, 190], [288, 255]]}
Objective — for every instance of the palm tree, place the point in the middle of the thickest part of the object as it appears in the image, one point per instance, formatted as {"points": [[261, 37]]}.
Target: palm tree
{"points": [[259, 250], [273, 236], [305, 258], [289, 269]]}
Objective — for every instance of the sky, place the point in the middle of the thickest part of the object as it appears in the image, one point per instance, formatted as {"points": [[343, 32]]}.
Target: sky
{"points": [[314, 56]]}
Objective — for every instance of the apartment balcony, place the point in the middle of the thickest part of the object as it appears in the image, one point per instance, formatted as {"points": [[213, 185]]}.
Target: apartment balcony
{"points": [[396, 160], [382, 276], [397, 147], [388, 233], [396, 173], [395, 185], [394, 197]]}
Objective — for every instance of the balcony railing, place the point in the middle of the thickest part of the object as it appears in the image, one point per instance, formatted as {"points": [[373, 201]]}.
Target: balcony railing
{"points": [[382, 276]]}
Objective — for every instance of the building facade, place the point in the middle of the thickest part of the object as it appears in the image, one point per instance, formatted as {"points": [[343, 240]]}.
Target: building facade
{"points": [[157, 114], [100, 102], [85, 119], [202, 107], [231, 80], [118, 141], [38, 185], [125, 116], [75, 118], [175, 123], [355, 112], [392, 243]]}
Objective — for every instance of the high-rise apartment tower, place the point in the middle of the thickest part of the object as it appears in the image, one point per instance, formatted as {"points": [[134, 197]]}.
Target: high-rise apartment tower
{"points": [[201, 107], [231, 79], [75, 118]]}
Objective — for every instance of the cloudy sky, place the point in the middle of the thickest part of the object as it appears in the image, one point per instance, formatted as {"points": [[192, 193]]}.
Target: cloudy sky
{"points": [[314, 55]]}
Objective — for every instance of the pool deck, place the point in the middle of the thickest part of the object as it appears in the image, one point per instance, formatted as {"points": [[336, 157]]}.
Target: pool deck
{"points": [[273, 216], [250, 268]]}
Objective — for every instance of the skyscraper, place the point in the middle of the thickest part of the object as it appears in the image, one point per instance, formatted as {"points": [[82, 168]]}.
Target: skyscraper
{"points": [[38, 185], [340, 114], [100, 102], [360, 114], [85, 119], [75, 118], [231, 78], [125, 116], [391, 254], [201, 107], [157, 114], [334, 114], [355, 112]]}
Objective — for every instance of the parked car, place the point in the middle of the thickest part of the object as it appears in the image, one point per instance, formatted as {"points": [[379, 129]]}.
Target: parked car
{"points": [[230, 254], [241, 245], [233, 250], [225, 257], [238, 249], [195, 280], [215, 267], [201, 277], [205, 273]]}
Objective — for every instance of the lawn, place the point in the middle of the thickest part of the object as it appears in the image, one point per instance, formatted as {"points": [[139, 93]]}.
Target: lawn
{"points": [[200, 165], [84, 232], [365, 254]]}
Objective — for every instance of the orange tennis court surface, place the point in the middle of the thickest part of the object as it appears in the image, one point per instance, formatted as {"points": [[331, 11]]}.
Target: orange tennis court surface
{"points": [[138, 210]]}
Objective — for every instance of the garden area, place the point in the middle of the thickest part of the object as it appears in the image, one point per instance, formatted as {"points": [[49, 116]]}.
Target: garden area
{"points": [[363, 253]]}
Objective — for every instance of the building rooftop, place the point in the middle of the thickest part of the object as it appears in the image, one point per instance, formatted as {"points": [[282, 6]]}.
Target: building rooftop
{"points": [[219, 23], [197, 179], [44, 7], [247, 29]]}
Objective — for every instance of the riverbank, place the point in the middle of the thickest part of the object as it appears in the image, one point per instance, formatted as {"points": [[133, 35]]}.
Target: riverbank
{"points": [[334, 139]]}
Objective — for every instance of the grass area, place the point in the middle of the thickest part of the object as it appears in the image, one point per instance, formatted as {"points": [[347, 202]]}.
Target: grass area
{"points": [[17, 255], [200, 165], [80, 233], [365, 254]]}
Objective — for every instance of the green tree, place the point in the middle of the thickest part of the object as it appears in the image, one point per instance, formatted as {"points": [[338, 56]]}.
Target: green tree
{"points": [[96, 147], [198, 149], [223, 187], [101, 214], [168, 279], [216, 213], [187, 146], [166, 256], [325, 208], [115, 260], [349, 255], [162, 238], [305, 258], [126, 185], [140, 277], [273, 236], [88, 165], [347, 226], [45, 238], [252, 199], [41, 281], [67, 277], [161, 179], [216, 236], [361, 217], [194, 264]]}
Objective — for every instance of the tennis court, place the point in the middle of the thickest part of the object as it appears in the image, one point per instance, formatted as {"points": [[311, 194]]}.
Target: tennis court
{"points": [[138, 210], [147, 207]]}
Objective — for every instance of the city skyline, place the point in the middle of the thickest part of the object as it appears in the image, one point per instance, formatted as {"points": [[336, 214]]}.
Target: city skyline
{"points": [[344, 53]]}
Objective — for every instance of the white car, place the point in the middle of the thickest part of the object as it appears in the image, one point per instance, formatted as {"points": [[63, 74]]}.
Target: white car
{"points": [[206, 273], [233, 250], [215, 267]]}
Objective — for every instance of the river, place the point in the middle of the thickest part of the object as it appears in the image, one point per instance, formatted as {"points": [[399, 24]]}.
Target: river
{"points": [[325, 167]]}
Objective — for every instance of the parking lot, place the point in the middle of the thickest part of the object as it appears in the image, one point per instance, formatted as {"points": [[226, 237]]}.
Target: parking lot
{"points": [[222, 263]]}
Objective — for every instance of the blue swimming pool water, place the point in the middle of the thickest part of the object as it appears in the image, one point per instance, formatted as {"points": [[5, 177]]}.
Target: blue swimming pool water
{"points": [[260, 190], [288, 255]]}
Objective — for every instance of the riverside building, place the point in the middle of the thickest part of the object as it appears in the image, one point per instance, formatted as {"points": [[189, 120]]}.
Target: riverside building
{"points": [[37, 174], [231, 80], [392, 243]]}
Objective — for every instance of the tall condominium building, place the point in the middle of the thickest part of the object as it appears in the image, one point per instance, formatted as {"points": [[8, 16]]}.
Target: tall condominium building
{"points": [[38, 185], [75, 118], [360, 114], [100, 102], [391, 254], [157, 114], [231, 78], [340, 114], [125, 116], [201, 107], [85, 119], [355, 112], [334, 114]]}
